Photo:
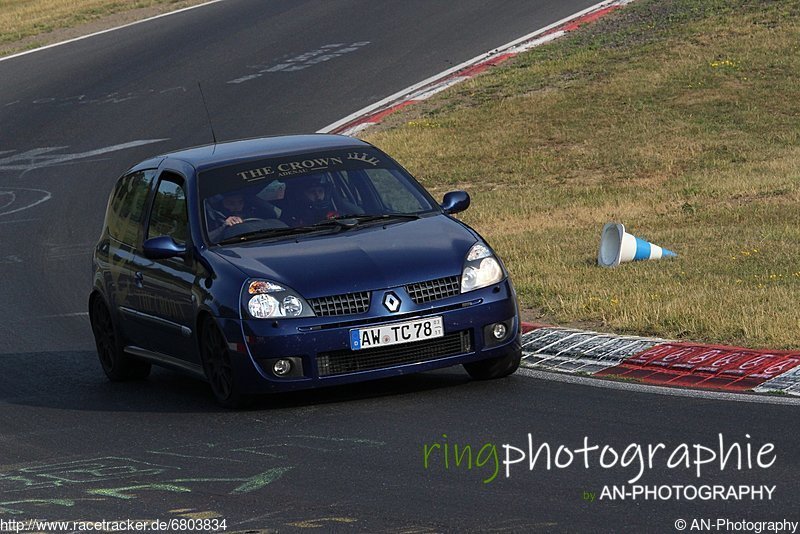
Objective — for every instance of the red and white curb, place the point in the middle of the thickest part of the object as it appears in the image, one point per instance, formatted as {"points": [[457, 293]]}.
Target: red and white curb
{"points": [[642, 359], [662, 362], [375, 113]]}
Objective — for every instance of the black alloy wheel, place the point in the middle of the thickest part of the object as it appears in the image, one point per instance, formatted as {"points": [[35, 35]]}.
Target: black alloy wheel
{"points": [[116, 364], [218, 368]]}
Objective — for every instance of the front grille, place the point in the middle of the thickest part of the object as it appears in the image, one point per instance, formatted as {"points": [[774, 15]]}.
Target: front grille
{"points": [[348, 304], [431, 290], [349, 361]]}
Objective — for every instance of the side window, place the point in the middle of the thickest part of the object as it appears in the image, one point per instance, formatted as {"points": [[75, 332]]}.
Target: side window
{"points": [[126, 208], [394, 195], [169, 216]]}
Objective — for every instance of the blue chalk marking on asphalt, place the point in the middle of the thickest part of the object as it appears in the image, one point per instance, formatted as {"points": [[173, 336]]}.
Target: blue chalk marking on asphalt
{"points": [[642, 250]]}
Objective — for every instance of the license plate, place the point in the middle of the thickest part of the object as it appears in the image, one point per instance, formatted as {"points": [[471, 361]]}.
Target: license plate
{"points": [[394, 334]]}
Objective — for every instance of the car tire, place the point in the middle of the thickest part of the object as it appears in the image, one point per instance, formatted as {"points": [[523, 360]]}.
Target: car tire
{"points": [[117, 365], [218, 367], [496, 367]]}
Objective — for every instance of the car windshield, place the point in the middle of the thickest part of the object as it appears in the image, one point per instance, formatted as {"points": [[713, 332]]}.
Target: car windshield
{"points": [[291, 195]]}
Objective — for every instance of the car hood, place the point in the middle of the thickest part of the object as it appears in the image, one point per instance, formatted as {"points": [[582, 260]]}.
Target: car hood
{"points": [[358, 259]]}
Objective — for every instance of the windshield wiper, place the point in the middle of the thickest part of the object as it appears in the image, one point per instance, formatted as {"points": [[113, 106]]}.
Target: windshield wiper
{"points": [[341, 222], [276, 232], [359, 219]]}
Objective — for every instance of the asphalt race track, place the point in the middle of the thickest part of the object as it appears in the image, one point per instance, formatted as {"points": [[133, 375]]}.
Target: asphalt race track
{"points": [[74, 446]]}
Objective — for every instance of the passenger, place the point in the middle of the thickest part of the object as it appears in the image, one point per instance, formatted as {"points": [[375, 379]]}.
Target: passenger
{"points": [[313, 201]]}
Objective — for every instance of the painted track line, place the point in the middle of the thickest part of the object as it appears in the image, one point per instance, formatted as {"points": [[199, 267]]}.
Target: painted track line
{"points": [[374, 113], [661, 362], [108, 30]]}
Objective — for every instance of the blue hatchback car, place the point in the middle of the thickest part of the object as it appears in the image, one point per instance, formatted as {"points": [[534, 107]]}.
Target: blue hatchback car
{"points": [[294, 262]]}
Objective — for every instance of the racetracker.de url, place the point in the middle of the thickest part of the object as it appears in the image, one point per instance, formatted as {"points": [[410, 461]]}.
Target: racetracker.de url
{"points": [[122, 525]]}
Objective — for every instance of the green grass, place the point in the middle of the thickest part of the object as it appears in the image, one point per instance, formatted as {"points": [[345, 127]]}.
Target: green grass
{"points": [[679, 118]]}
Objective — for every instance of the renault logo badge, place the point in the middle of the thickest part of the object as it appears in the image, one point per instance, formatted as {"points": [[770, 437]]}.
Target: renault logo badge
{"points": [[391, 302]]}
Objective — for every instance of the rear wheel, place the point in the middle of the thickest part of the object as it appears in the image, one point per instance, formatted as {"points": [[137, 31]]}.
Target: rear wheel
{"points": [[496, 367], [117, 365], [218, 367]]}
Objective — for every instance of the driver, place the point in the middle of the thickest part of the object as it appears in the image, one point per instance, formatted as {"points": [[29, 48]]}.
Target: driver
{"points": [[237, 207], [233, 208]]}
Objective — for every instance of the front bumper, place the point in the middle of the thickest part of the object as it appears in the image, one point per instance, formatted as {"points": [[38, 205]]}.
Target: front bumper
{"points": [[320, 346]]}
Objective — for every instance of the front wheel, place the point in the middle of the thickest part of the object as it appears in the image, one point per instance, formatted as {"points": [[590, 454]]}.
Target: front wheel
{"points": [[496, 367], [117, 365], [218, 367]]}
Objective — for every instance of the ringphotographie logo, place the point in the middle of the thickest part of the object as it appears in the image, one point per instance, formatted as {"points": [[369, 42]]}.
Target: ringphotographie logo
{"points": [[493, 462]]}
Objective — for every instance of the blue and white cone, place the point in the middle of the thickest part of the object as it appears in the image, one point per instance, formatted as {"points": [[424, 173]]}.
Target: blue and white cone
{"points": [[618, 246]]}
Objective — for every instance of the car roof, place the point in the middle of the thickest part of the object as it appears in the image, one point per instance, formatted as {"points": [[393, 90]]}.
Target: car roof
{"points": [[221, 154]]}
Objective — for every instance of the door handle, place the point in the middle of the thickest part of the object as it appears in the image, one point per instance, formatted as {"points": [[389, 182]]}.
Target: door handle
{"points": [[138, 279]]}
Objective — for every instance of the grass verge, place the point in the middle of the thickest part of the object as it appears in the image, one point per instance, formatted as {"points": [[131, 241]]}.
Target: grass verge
{"points": [[679, 118], [26, 24]]}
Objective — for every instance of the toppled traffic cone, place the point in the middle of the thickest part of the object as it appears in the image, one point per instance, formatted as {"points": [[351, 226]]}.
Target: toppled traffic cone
{"points": [[618, 246]]}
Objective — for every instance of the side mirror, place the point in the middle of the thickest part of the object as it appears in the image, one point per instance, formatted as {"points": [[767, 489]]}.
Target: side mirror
{"points": [[455, 202], [162, 247]]}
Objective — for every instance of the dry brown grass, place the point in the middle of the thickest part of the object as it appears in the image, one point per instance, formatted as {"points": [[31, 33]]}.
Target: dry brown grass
{"points": [[679, 118], [30, 23]]}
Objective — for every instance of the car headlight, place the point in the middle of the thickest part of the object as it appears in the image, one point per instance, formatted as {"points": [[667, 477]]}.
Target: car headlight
{"points": [[264, 299], [481, 269]]}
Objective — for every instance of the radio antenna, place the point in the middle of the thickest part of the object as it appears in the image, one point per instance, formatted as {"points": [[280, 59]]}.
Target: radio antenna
{"points": [[208, 115]]}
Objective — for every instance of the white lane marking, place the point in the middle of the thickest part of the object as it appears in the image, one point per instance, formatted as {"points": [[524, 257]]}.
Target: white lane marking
{"points": [[303, 61], [18, 221], [114, 97], [357, 128], [399, 95], [537, 42], [42, 157], [26, 52], [45, 196], [12, 197], [59, 252], [438, 88], [30, 154], [59, 315], [657, 390]]}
